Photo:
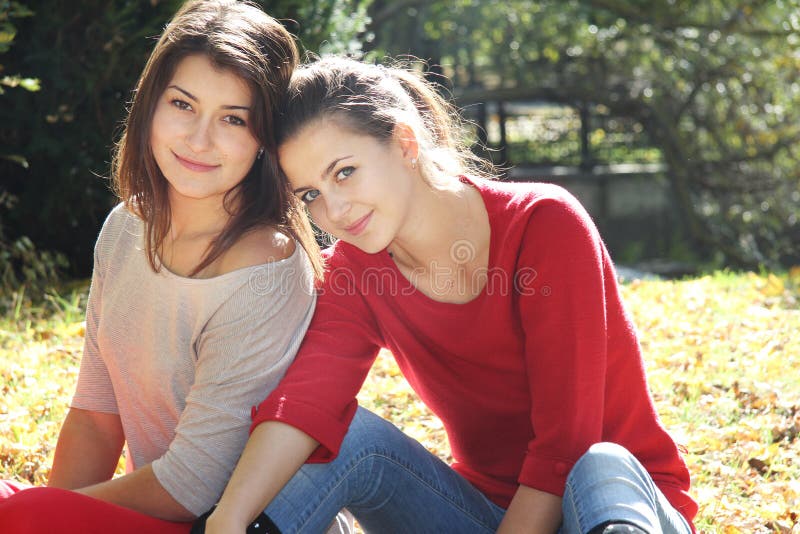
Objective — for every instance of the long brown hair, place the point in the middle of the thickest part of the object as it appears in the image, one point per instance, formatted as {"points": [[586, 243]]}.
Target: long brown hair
{"points": [[371, 100], [238, 37]]}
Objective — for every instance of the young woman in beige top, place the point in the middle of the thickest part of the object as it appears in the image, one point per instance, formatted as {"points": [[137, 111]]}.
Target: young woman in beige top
{"points": [[201, 292]]}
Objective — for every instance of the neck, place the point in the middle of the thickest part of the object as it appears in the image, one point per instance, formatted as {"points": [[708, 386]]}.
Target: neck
{"points": [[192, 218], [442, 219]]}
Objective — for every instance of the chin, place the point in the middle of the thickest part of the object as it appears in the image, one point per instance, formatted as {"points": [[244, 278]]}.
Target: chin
{"points": [[370, 247]]}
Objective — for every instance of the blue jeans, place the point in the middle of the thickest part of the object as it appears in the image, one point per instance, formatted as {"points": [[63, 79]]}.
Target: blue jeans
{"points": [[609, 484], [392, 484]]}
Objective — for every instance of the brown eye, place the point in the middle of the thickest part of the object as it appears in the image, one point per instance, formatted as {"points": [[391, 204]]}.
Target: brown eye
{"points": [[181, 104], [234, 120]]}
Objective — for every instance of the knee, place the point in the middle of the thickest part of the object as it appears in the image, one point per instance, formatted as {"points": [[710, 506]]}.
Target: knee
{"points": [[606, 460], [606, 452], [23, 512], [369, 433]]}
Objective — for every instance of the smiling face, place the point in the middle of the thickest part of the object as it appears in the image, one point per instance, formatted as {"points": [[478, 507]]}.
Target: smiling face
{"points": [[357, 188], [199, 136]]}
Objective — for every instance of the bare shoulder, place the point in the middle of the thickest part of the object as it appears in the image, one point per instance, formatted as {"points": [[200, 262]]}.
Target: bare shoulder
{"points": [[258, 246]]}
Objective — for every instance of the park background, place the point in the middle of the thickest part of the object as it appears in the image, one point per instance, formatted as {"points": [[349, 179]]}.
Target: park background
{"points": [[676, 123]]}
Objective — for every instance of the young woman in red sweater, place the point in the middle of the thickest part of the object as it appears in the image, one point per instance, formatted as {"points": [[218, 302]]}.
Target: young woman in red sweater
{"points": [[500, 304]]}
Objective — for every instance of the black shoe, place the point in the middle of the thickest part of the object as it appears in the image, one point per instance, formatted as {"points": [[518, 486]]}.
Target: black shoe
{"points": [[616, 528], [261, 525]]}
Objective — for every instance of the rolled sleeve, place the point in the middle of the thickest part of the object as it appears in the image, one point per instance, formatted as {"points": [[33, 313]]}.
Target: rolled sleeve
{"points": [[318, 394], [328, 430]]}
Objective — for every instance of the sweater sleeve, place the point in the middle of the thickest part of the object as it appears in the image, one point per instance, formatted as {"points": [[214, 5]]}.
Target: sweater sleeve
{"points": [[94, 390], [244, 351], [562, 306], [318, 394]]}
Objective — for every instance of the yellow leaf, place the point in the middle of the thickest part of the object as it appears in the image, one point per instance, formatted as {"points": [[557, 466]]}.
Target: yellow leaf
{"points": [[774, 286], [76, 329], [794, 274]]}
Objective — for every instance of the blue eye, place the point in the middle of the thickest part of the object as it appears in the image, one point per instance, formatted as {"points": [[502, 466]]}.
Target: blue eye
{"points": [[309, 196], [344, 173]]}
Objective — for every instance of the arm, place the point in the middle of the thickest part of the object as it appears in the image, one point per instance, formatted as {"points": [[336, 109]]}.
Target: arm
{"points": [[533, 511], [273, 454], [243, 352], [563, 315], [88, 449], [140, 491], [91, 438], [318, 393], [587, 375], [306, 417]]}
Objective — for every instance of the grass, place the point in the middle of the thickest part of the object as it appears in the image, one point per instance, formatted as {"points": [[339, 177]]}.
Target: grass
{"points": [[721, 352]]}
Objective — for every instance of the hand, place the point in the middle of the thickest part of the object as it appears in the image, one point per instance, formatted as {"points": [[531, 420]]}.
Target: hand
{"points": [[532, 511], [274, 452]]}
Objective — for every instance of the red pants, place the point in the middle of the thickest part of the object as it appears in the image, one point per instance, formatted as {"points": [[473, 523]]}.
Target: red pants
{"points": [[36, 510]]}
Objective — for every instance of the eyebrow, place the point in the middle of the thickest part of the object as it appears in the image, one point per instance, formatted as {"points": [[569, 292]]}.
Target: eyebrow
{"points": [[190, 95], [327, 171]]}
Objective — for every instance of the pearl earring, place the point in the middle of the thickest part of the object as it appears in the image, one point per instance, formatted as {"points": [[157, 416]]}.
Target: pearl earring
{"points": [[413, 163]]}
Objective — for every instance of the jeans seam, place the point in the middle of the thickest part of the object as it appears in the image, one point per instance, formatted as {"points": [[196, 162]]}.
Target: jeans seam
{"points": [[429, 484], [568, 490], [396, 461]]}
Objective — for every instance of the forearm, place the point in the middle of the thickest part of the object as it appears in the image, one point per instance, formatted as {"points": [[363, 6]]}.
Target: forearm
{"points": [[532, 511], [273, 454], [88, 449], [87, 453], [140, 491]]}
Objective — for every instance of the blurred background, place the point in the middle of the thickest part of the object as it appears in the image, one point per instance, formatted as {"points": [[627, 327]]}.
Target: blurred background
{"points": [[676, 123]]}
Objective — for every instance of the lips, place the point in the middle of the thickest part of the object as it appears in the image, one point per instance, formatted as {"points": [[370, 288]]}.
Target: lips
{"points": [[193, 165], [358, 226]]}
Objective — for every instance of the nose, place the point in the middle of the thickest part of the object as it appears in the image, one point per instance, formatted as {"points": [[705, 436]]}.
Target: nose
{"points": [[198, 137], [337, 206]]}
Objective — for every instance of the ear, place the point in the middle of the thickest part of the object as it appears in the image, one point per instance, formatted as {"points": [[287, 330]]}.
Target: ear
{"points": [[407, 140]]}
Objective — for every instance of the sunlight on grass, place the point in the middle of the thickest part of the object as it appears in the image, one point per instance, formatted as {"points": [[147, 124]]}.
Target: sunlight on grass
{"points": [[722, 354]]}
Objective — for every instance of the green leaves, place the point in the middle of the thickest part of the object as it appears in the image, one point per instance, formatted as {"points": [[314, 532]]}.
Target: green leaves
{"points": [[8, 32], [31, 84], [8, 11], [713, 83], [68, 76]]}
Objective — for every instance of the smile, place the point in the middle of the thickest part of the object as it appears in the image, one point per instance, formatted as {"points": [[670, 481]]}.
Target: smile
{"points": [[195, 166], [359, 226]]}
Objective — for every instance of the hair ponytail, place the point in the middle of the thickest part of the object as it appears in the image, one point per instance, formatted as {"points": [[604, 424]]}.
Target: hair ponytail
{"points": [[436, 113], [371, 100]]}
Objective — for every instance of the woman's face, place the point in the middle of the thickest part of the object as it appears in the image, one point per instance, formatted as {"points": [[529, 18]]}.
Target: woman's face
{"points": [[200, 136], [357, 188]]}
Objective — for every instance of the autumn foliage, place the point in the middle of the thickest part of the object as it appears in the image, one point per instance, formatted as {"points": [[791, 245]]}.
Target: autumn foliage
{"points": [[722, 352]]}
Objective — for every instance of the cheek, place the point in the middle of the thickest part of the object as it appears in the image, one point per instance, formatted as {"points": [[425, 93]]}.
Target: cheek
{"points": [[318, 216], [239, 146], [161, 130], [316, 211]]}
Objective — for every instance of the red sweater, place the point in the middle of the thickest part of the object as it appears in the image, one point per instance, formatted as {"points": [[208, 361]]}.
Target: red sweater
{"points": [[526, 377]]}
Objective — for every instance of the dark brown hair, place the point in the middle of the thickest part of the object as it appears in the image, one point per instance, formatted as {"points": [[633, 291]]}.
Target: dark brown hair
{"points": [[238, 37], [371, 100]]}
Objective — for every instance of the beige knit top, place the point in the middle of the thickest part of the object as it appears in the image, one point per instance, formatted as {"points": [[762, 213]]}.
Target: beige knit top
{"points": [[183, 360]]}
